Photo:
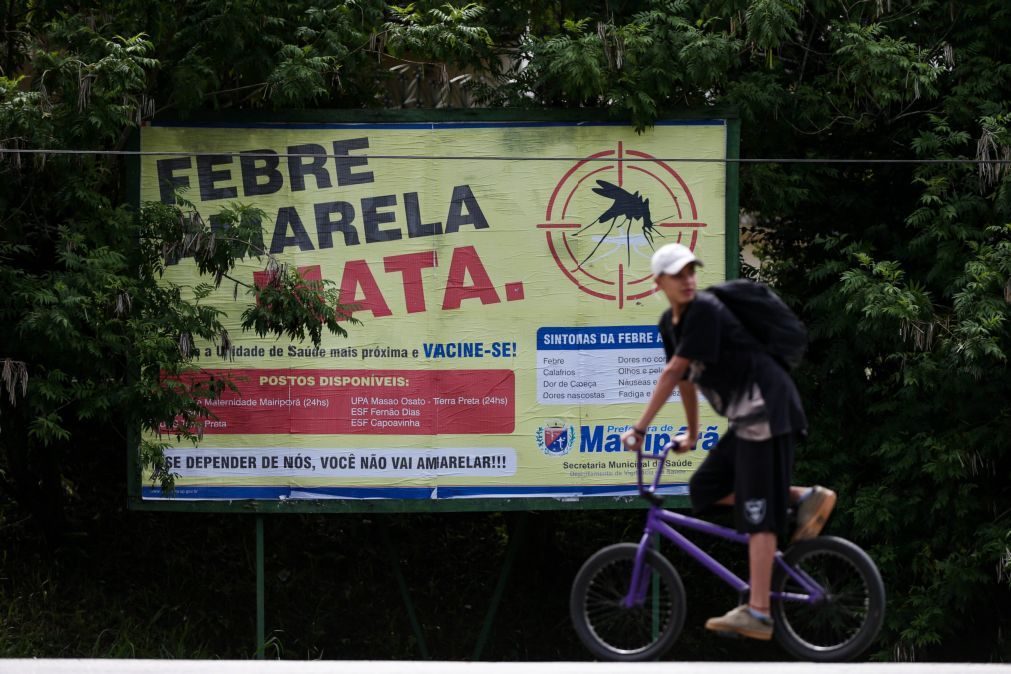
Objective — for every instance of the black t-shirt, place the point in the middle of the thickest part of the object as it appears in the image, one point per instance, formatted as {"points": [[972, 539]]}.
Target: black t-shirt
{"points": [[733, 371]]}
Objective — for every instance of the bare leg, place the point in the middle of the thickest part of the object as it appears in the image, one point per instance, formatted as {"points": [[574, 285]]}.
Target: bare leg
{"points": [[761, 552]]}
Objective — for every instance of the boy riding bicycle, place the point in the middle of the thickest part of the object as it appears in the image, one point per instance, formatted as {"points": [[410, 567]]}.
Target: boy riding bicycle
{"points": [[752, 465]]}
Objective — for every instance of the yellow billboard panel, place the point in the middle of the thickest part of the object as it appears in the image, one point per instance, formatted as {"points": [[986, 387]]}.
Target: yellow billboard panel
{"points": [[501, 272]]}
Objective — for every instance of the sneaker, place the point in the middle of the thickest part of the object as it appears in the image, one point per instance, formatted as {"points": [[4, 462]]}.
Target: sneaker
{"points": [[740, 621], [813, 513]]}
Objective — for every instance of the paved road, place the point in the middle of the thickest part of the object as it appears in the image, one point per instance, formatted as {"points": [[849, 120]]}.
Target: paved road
{"points": [[400, 667]]}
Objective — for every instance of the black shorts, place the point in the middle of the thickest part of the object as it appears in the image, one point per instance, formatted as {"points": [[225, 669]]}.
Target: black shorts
{"points": [[758, 474]]}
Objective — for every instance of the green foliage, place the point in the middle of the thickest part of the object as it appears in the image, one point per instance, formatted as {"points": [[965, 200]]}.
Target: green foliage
{"points": [[301, 76], [903, 276], [90, 329], [771, 22], [290, 305], [637, 67], [444, 34], [880, 69]]}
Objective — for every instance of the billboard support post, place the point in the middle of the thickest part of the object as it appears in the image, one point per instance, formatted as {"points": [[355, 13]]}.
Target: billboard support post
{"points": [[515, 541], [412, 616], [260, 613]]}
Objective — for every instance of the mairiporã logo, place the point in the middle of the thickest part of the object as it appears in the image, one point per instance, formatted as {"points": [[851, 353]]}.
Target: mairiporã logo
{"points": [[556, 438]]}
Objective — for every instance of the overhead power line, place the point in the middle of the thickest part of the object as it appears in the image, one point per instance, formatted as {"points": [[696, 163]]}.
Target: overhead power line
{"points": [[627, 160]]}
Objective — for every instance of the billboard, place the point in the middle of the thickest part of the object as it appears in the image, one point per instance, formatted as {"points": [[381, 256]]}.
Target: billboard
{"points": [[501, 272]]}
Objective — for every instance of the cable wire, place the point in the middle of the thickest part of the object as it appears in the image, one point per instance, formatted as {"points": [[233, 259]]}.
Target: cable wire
{"points": [[414, 157]]}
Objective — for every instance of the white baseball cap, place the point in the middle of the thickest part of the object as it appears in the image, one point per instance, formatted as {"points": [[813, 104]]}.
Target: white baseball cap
{"points": [[672, 258]]}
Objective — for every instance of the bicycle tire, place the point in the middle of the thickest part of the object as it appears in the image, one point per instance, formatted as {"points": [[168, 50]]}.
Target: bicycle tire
{"points": [[847, 622], [612, 632]]}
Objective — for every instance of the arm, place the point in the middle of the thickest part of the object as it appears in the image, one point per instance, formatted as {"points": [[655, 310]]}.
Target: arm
{"points": [[669, 378], [690, 399]]}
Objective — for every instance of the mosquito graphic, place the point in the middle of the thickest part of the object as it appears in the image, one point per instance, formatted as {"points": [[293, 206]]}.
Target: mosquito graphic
{"points": [[627, 205]]}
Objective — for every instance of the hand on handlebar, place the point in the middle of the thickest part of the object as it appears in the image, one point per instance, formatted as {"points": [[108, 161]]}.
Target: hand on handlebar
{"points": [[631, 441], [683, 443]]}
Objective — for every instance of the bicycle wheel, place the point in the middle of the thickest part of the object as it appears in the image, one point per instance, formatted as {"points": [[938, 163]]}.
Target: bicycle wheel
{"points": [[613, 632], [844, 625]]}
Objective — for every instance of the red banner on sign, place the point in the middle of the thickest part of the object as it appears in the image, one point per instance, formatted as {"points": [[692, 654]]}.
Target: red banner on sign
{"points": [[381, 402]]}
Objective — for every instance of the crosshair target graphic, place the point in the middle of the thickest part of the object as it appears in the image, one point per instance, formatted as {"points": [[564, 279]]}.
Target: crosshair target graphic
{"points": [[604, 220]]}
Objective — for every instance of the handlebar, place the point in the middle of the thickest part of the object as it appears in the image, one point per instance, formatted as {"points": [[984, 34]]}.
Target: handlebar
{"points": [[649, 493]]}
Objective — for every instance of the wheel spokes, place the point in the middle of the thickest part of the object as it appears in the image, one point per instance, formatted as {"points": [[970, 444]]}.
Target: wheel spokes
{"points": [[832, 623], [625, 628]]}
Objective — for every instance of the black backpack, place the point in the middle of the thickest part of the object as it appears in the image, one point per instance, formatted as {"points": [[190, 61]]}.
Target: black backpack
{"points": [[766, 317]]}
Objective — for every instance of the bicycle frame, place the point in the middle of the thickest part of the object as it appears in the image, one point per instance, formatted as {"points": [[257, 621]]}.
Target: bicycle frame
{"points": [[663, 522]]}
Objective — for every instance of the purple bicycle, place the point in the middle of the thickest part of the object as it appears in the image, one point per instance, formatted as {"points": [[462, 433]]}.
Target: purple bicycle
{"points": [[628, 602]]}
